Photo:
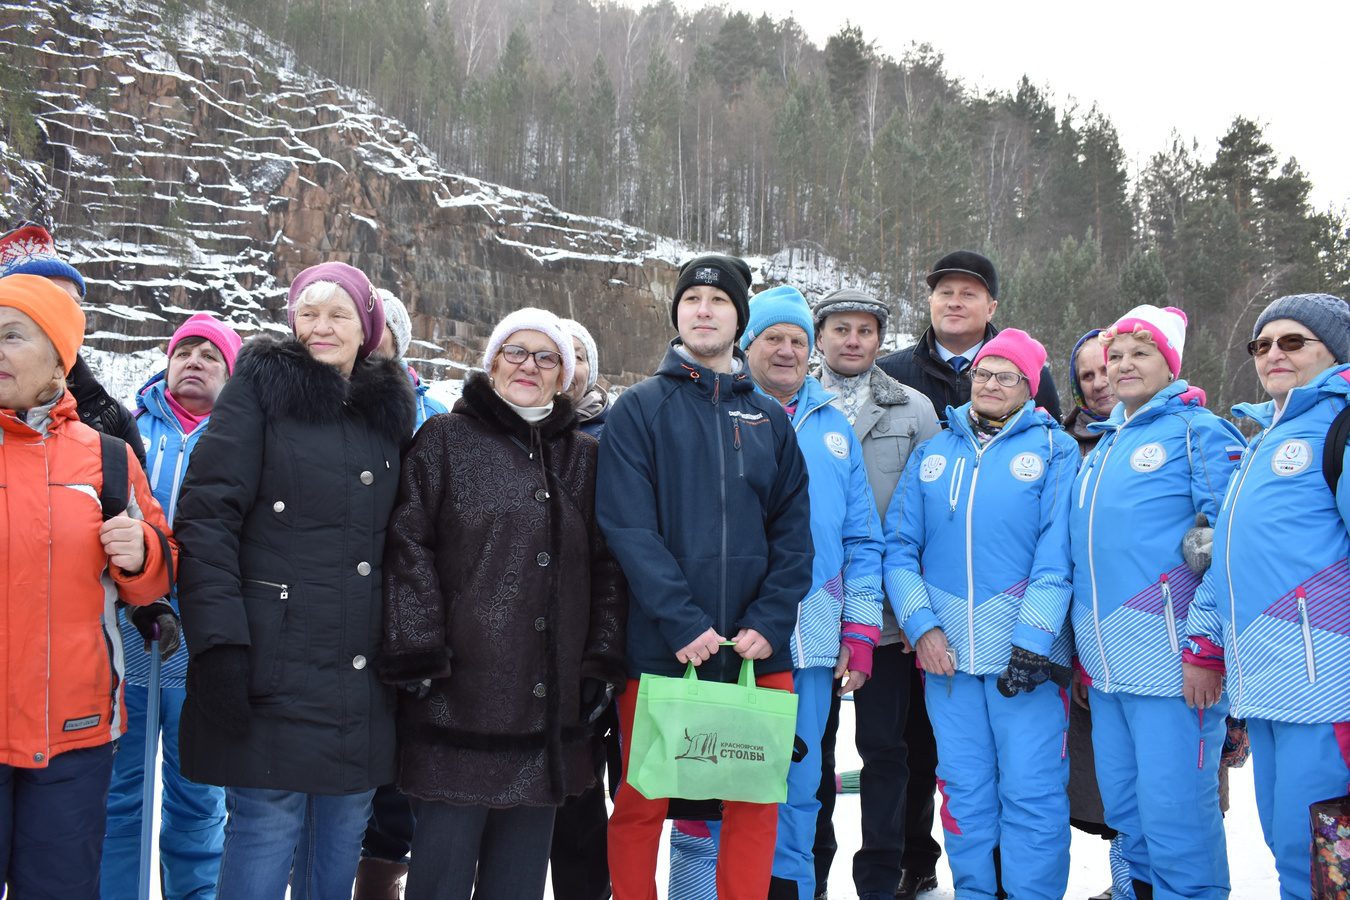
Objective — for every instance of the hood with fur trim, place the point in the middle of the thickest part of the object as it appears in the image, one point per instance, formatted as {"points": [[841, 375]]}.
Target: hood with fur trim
{"points": [[292, 384]]}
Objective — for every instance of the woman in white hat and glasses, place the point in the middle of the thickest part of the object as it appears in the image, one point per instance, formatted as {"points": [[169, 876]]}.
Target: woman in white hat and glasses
{"points": [[1272, 611], [504, 619]]}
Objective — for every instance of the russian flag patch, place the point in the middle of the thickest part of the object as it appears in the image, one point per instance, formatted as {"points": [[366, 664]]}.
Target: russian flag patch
{"points": [[1235, 452]]}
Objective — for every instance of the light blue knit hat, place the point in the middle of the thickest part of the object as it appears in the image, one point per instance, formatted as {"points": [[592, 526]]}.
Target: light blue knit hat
{"points": [[783, 305]]}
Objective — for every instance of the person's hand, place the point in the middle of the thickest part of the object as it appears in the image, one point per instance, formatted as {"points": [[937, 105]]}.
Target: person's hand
{"points": [[700, 649], [1078, 689], [1026, 671], [417, 690], [934, 654], [750, 644], [595, 697], [1197, 545], [157, 622], [124, 542], [1200, 687], [849, 679], [218, 685], [905, 645]]}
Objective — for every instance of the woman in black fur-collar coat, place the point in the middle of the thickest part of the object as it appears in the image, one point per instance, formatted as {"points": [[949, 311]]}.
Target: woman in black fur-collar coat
{"points": [[505, 617], [282, 521]]}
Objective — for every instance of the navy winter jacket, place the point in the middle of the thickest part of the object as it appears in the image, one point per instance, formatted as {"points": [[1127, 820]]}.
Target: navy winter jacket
{"points": [[702, 497]]}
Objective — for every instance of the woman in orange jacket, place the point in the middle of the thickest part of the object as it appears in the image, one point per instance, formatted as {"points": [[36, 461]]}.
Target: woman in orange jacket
{"points": [[64, 567]]}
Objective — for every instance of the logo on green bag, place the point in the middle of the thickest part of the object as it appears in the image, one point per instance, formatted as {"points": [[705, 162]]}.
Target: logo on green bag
{"points": [[700, 746], [707, 748]]}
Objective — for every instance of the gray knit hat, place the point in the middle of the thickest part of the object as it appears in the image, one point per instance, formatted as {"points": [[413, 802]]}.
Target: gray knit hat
{"points": [[849, 300], [1327, 317], [397, 321]]}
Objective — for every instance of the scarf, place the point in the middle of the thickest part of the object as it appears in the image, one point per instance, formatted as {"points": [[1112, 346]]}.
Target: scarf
{"points": [[851, 392]]}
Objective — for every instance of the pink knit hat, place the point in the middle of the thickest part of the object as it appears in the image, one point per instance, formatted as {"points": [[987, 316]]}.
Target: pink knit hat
{"points": [[1020, 349], [208, 327], [1167, 326], [369, 309]]}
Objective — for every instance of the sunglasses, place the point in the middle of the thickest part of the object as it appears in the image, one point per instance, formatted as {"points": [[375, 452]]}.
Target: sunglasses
{"points": [[544, 359], [1007, 379], [1289, 343]]}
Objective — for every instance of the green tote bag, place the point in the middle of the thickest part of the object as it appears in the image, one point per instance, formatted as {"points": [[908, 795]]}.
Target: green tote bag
{"points": [[704, 740]]}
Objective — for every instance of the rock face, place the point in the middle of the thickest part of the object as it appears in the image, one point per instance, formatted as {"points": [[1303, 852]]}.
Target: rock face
{"points": [[203, 172]]}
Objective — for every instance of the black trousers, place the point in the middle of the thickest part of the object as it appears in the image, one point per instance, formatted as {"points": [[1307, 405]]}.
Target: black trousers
{"points": [[579, 856], [489, 854], [389, 833], [899, 777]]}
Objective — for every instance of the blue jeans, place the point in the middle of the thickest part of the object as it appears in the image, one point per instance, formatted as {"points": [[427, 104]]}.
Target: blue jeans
{"points": [[51, 825], [192, 825], [272, 838]]}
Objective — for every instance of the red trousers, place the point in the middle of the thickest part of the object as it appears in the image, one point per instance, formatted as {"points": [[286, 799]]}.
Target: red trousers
{"points": [[745, 858]]}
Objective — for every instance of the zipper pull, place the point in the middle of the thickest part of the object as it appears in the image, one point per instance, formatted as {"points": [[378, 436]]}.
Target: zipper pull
{"points": [[737, 442], [285, 592], [717, 389]]}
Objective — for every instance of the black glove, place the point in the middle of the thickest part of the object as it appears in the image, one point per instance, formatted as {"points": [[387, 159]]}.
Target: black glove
{"points": [[158, 615], [1026, 671], [417, 689], [1197, 545], [595, 697], [218, 682]]}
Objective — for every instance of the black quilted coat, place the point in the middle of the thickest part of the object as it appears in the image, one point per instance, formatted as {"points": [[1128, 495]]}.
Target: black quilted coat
{"points": [[498, 586], [282, 522]]}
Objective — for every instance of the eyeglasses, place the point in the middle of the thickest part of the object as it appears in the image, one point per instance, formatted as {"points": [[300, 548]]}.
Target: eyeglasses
{"points": [[544, 359], [1006, 379], [1289, 343]]}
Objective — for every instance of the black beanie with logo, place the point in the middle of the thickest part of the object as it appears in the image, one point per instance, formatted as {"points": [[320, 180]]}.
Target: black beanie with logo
{"points": [[726, 273]]}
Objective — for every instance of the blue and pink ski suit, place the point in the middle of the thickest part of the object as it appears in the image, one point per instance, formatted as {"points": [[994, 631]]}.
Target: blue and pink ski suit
{"points": [[1274, 606], [977, 544], [1136, 495]]}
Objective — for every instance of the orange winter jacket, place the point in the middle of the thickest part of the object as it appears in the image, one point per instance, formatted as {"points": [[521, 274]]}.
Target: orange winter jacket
{"points": [[60, 649]]}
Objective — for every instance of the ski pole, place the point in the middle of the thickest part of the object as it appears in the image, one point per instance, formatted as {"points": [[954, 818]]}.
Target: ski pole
{"points": [[151, 752]]}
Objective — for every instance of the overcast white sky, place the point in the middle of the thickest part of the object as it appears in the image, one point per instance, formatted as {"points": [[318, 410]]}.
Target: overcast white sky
{"points": [[1150, 65]]}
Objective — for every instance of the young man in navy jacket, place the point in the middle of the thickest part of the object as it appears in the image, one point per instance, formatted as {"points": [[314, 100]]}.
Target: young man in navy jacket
{"points": [[702, 497]]}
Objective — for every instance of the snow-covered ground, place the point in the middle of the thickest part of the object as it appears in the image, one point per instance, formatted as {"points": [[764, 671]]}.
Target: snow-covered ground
{"points": [[1251, 866], [1250, 863]]}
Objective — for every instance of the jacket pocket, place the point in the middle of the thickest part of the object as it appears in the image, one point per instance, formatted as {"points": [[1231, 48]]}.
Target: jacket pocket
{"points": [[1170, 615], [891, 451], [265, 604], [1309, 660]]}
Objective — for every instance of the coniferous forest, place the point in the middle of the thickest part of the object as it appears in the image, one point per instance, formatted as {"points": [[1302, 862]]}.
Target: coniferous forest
{"points": [[738, 133]]}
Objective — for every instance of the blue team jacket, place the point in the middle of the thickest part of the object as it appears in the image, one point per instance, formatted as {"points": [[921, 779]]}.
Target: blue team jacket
{"points": [[167, 451], [845, 529], [977, 540], [1136, 495], [1277, 595]]}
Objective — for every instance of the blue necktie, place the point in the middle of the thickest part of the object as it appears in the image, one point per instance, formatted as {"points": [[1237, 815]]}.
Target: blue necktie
{"points": [[958, 363]]}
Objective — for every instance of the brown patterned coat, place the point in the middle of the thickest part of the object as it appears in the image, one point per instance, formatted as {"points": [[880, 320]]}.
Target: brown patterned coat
{"points": [[499, 587]]}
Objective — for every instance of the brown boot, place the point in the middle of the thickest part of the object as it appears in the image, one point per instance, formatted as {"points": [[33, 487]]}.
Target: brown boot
{"points": [[379, 879]]}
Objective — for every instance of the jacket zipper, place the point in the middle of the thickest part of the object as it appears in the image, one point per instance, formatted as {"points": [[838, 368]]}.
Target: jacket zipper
{"points": [[1170, 614], [722, 482], [177, 478], [159, 462], [1092, 563], [970, 529], [1306, 627], [285, 591], [1231, 653]]}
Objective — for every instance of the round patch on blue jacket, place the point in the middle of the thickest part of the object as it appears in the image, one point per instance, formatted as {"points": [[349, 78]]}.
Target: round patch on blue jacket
{"points": [[1292, 457], [1027, 467], [1148, 458], [837, 444], [932, 467]]}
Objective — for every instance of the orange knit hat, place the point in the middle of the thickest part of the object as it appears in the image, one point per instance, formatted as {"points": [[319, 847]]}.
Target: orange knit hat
{"points": [[59, 317]]}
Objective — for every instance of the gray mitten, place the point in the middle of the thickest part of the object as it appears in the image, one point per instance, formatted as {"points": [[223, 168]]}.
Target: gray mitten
{"points": [[1197, 545]]}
